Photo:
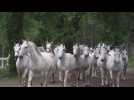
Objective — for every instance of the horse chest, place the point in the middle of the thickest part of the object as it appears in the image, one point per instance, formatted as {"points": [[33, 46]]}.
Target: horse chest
{"points": [[117, 66]]}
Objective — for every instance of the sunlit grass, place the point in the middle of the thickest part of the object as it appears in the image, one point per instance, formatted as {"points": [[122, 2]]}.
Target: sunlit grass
{"points": [[131, 61]]}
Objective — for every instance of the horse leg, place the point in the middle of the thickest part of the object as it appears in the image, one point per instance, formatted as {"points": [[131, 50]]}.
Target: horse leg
{"points": [[102, 76], [90, 71], [90, 75], [60, 76], [19, 76], [111, 77], [124, 72], [42, 79], [65, 78], [46, 77], [74, 78], [93, 71], [106, 77], [30, 76], [81, 76], [78, 78], [63, 73], [53, 78], [118, 79], [53, 75], [24, 77], [84, 76]]}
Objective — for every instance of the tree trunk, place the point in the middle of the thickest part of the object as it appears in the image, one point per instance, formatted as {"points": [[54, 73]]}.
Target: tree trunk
{"points": [[14, 34]]}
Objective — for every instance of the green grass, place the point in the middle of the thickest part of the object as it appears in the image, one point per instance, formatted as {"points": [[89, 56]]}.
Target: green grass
{"points": [[131, 61], [4, 73]]}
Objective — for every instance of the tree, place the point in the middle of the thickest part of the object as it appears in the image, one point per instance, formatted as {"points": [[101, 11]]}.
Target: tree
{"points": [[14, 34]]}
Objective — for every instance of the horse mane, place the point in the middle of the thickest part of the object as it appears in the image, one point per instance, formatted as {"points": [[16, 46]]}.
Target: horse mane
{"points": [[34, 51], [36, 48]]}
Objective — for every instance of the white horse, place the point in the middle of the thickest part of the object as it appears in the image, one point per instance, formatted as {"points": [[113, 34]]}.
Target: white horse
{"points": [[83, 59], [95, 55], [51, 58], [21, 64], [77, 52], [60, 72], [66, 62], [16, 54], [91, 61], [115, 65], [125, 61], [37, 62], [101, 64]]}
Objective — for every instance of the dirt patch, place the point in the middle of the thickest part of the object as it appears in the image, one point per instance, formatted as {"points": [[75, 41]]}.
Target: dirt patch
{"points": [[94, 82]]}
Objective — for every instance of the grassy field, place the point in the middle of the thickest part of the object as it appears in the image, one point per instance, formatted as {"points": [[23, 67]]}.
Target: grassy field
{"points": [[4, 73], [131, 62]]}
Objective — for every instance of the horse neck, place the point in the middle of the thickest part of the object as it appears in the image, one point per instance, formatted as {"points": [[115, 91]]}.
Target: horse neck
{"points": [[36, 55]]}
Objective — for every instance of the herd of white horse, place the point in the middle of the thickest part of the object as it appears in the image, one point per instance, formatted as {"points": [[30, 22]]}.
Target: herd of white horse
{"points": [[32, 61]]}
